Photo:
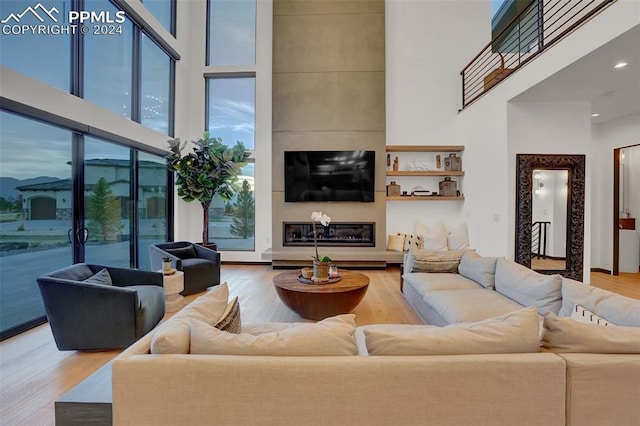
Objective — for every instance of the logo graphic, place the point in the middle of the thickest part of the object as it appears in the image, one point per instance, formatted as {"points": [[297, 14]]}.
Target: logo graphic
{"points": [[34, 11]]}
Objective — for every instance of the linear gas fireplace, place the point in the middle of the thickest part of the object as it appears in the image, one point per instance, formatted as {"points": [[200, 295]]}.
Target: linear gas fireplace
{"points": [[337, 234]]}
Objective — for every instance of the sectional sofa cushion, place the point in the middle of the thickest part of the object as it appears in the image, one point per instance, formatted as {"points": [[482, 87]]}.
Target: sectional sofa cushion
{"points": [[333, 336], [173, 337], [528, 287], [470, 305], [479, 269], [424, 283], [515, 332], [569, 335], [617, 309]]}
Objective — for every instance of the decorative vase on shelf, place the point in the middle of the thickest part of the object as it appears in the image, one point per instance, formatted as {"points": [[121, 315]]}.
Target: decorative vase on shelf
{"points": [[321, 269]]}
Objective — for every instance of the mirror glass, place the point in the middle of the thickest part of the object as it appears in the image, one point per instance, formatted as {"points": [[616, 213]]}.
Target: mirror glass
{"points": [[549, 220]]}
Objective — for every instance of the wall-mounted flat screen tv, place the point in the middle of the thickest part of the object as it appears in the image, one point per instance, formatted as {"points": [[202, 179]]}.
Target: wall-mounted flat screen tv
{"points": [[329, 176]]}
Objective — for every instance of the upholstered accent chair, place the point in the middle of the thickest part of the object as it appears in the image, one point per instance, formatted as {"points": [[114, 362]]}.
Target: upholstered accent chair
{"points": [[201, 266], [94, 307]]}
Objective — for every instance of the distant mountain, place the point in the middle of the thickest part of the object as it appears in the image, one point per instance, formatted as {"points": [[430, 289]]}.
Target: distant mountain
{"points": [[8, 184]]}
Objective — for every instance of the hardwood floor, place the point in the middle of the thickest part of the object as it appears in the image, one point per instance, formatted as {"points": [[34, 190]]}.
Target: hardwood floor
{"points": [[34, 374]]}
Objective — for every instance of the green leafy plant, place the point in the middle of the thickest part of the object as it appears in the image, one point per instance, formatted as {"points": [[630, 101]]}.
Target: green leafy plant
{"points": [[244, 212], [210, 169]]}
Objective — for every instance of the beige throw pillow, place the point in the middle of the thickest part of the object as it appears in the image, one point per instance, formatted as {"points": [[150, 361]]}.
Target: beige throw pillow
{"points": [[569, 335], [435, 238], [396, 242], [516, 332], [434, 260], [333, 336], [230, 319], [172, 337], [413, 241], [458, 238]]}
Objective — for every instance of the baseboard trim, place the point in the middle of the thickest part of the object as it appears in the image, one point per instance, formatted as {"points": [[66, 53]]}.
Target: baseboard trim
{"points": [[604, 271]]}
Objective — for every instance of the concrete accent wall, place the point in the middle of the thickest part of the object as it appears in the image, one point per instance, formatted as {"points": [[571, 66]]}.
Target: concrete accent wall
{"points": [[328, 94]]}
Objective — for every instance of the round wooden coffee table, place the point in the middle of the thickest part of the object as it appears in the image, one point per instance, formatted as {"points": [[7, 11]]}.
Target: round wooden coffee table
{"points": [[319, 301]]}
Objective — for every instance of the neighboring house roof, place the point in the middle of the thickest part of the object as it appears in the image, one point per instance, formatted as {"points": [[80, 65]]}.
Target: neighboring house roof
{"points": [[65, 185], [54, 185], [123, 163]]}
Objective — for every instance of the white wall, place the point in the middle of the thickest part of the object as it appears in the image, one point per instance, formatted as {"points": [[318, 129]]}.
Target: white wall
{"points": [[553, 128], [606, 137], [427, 44], [486, 127]]}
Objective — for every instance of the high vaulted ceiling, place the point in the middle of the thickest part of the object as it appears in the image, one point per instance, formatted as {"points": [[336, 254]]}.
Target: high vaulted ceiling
{"points": [[613, 93]]}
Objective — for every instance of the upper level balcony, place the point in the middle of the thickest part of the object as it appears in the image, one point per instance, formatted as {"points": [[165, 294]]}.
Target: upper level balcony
{"points": [[524, 31]]}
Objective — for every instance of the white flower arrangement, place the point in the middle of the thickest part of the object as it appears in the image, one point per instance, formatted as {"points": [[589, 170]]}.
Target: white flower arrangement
{"points": [[325, 220]]}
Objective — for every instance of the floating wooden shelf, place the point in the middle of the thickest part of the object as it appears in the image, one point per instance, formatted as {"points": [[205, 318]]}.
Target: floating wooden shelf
{"points": [[425, 198], [425, 148], [424, 173]]}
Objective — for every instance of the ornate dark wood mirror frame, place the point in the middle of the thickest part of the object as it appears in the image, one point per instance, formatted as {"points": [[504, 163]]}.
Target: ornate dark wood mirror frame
{"points": [[575, 165]]}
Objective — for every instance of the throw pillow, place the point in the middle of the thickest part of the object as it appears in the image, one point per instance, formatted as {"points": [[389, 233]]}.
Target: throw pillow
{"points": [[333, 336], [516, 332], [528, 287], [188, 252], [102, 278], [173, 336], [617, 309], [458, 238], [434, 260], [230, 319], [585, 316], [434, 238], [396, 242], [569, 335], [413, 241], [479, 269]]}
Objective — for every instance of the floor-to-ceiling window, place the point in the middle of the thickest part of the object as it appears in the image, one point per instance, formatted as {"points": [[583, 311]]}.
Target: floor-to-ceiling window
{"points": [[155, 87], [231, 110], [72, 190], [108, 66]]}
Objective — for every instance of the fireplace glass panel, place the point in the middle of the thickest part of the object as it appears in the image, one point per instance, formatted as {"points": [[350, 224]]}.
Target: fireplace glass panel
{"points": [[350, 234]]}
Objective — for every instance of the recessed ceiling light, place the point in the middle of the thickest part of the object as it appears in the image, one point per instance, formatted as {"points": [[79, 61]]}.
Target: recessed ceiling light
{"points": [[620, 65], [595, 115]]}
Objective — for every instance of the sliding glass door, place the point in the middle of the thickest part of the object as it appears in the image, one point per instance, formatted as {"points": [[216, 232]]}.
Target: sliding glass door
{"points": [[36, 211], [67, 197]]}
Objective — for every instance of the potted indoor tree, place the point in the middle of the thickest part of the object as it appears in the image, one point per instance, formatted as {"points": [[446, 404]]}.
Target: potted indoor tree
{"points": [[210, 169]]}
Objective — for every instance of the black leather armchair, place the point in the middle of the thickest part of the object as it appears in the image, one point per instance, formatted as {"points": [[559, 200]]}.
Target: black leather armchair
{"points": [[201, 266], [86, 316]]}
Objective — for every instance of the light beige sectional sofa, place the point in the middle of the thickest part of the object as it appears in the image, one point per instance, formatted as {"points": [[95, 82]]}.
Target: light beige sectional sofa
{"points": [[489, 372]]}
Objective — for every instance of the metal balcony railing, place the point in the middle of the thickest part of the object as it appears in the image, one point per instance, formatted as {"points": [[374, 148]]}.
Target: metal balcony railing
{"points": [[539, 25]]}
